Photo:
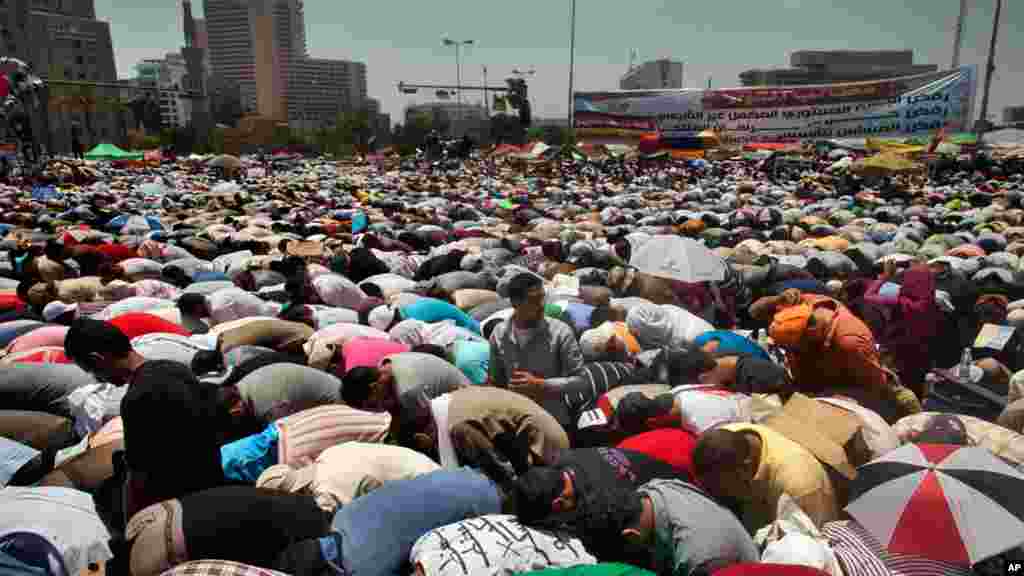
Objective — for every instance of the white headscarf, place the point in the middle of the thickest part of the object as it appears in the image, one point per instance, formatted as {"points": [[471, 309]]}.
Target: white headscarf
{"points": [[382, 316], [594, 342]]}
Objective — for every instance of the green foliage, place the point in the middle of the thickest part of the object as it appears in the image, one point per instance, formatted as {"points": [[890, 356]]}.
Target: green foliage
{"points": [[281, 136], [210, 143], [167, 136], [557, 136]]}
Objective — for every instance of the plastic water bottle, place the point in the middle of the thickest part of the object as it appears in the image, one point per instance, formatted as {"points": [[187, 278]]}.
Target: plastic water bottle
{"points": [[966, 360]]}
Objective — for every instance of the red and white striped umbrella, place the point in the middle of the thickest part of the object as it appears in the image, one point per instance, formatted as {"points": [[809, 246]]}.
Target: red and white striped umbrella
{"points": [[957, 504]]}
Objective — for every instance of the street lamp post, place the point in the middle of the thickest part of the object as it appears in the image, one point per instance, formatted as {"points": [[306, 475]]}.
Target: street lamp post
{"points": [[458, 71], [572, 64]]}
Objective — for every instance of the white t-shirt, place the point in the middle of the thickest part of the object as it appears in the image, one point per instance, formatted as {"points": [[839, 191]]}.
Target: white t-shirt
{"points": [[495, 545], [235, 303], [706, 407]]}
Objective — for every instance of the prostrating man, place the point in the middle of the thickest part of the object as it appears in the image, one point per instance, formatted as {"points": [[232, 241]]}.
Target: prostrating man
{"points": [[402, 385], [102, 349], [682, 528], [829, 349], [498, 431], [755, 465], [547, 491], [374, 535]]}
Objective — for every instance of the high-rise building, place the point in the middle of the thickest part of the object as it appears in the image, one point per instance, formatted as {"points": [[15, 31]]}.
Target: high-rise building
{"points": [[660, 74], [831, 66], [260, 45]]}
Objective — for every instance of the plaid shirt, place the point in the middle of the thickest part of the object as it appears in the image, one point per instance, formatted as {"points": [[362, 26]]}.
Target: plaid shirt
{"points": [[218, 568]]}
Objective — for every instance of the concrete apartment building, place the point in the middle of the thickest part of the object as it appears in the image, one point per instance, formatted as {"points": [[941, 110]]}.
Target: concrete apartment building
{"points": [[832, 66], [260, 45], [660, 74], [167, 80], [321, 88]]}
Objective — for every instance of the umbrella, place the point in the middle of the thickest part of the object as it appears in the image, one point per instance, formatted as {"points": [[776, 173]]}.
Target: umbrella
{"points": [[678, 258], [129, 224], [952, 503], [226, 161]]}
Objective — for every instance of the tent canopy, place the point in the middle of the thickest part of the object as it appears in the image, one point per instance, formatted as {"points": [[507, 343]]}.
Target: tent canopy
{"points": [[110, 152]]}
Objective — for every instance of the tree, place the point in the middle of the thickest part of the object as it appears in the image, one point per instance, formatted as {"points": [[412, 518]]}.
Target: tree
{"points": [[353, 127], [415, 131], [281, 137]]}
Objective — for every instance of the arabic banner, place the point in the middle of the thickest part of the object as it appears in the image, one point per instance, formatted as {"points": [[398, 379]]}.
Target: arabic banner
{"points": [[894, 107]]}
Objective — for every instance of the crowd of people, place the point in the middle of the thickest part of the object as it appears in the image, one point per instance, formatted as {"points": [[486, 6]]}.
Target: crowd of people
{"points": [[463, 368]]}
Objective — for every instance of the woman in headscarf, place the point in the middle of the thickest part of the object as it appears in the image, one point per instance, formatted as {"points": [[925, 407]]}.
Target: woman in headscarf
{"points": [[911, 323]]}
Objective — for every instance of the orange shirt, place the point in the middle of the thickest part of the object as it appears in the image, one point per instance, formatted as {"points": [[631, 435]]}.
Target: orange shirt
{"points": [[847, 358]]}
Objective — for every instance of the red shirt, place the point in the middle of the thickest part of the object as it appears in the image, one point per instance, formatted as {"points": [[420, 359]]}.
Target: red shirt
{"points": [[135, 324], [10, 302], [670, 445], [117, 252]]}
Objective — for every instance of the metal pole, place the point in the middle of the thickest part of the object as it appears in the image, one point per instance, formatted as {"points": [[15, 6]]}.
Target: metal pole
{"points": [[572, 66], [958, 39], [487, 103], [990, 70], [458, 90]]}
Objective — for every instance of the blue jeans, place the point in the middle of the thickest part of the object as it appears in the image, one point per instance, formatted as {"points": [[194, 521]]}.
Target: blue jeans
{"points": [[375, 533]]}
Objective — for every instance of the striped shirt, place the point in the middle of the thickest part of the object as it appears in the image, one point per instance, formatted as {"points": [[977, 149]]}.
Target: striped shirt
{"points": [[862, 555], [593, 381]]}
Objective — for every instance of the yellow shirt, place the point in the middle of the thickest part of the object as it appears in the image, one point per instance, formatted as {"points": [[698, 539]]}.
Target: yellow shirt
{"points": [[786, 467], [69, 291]]}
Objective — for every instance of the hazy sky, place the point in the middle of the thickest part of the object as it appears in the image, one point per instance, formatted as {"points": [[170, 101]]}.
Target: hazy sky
{"points": [[400, 39]]}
